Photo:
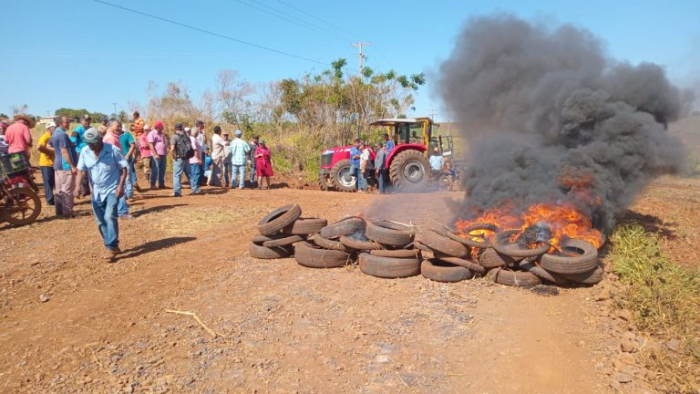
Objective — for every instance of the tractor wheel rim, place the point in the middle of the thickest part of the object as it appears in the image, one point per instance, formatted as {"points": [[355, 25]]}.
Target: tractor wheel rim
{"points": [[414, 171], [345, 178]]}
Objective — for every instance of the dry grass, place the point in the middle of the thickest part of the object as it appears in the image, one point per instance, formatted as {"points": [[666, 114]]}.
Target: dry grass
{"points": [[665, 299]]}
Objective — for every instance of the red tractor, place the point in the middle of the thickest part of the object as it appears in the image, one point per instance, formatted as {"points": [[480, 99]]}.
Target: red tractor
{"points": [[409, 167]]}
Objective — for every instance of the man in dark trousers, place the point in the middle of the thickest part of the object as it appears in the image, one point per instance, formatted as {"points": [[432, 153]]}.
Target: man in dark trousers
{"points": [[380, 168]]}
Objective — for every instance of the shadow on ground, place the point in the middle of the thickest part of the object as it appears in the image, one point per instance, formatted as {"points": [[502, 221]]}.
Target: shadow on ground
{"points": [[153, 246]]}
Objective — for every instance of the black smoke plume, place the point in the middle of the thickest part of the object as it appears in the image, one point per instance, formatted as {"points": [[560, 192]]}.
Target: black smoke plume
{"points": [[547, 117]]}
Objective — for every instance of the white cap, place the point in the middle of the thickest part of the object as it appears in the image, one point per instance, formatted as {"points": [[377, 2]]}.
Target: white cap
{"points": [[187, 129], [50, 125]]}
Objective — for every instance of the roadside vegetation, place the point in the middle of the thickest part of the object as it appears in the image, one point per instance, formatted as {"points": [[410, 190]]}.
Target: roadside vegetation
{"points": [[665, 300]]}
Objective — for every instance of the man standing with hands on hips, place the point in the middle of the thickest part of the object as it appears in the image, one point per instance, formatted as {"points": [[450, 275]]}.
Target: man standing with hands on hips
{"points": [[107, 168]]}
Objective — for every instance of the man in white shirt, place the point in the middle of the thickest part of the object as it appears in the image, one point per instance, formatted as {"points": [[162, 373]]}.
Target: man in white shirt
{"points": [[218, 151], [436, 161]]}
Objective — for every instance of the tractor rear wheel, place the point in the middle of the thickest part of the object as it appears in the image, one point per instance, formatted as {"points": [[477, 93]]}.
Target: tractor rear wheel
{"points": [[341, 177], [410, 171]]}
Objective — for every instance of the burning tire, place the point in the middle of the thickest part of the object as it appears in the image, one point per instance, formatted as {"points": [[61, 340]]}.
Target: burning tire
{"points": [[441, 271], [586, 259], [330, 244], [306, 226], [312, 256], [503, 245], [343, 227], [390, 234], [514, 278], [341, 178], [439, 243], [359, 244], [278, 219], [389, 267], [410, 171], [485, 243], [262, 252]]}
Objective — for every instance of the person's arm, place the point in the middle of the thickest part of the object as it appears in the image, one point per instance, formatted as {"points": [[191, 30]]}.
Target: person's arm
{"points": [[172, 152], [45, 148], [78, 180], [119, 158], [132, 149]]}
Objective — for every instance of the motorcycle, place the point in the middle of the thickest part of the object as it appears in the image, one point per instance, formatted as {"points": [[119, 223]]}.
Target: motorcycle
{"points": [[19, 200]]}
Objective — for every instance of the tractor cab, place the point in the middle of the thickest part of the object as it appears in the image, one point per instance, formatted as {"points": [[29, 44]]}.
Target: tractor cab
{"points": [[417, 131]]}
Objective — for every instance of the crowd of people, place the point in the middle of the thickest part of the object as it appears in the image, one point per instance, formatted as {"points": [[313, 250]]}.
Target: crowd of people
{"points": [[101, 161]]}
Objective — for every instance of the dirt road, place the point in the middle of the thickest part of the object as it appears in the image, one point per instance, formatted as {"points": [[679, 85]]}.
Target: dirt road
{"points": [[283, 328]]}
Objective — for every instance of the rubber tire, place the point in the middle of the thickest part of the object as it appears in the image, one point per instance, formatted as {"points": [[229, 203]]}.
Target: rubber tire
{"points": [[290, 240], [439, 243], [261, 252], [542, 273], [335, 171], [503, 246], [312, 256], [514, 278], [359, 245], [389, 267], [469, 242], [259, 239], [441, 271], [390, 234], [279, 218], [396, 171], [476, 268], [572, 265], [329, 244], [322, 183], [343, 227], [31, 195], [400, 253], [492, 259], [306, 226], [587, 278]]}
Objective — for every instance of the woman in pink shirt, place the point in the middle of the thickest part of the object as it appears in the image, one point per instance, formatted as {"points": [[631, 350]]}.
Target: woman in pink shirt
{"points": [[145, 153]]}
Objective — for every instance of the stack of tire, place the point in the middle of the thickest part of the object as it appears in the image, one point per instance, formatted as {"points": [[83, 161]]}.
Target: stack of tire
{"points": [[446, 258], [280, 230], [507, 263]]}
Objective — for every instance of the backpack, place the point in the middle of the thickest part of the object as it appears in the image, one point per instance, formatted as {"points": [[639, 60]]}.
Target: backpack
{"points": [[183, 147]]}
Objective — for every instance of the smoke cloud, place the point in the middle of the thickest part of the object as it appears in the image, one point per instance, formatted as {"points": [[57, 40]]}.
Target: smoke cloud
{"points": [[548, 117]]}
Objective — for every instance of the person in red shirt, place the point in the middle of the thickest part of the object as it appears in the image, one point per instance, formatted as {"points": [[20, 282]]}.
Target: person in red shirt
{"points": [[18, 137]]}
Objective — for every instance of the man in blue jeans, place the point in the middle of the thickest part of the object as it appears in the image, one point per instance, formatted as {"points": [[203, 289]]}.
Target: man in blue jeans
{"points": [[239, 154], [179, 151], [355, 153], [107, 175]]}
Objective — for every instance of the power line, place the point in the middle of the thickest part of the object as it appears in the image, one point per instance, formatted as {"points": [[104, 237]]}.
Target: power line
{"points": [[210, 32]]}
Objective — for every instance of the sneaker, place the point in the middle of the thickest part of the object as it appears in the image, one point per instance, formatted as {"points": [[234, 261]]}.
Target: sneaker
{"points": [[127, 216], [110, 255]]}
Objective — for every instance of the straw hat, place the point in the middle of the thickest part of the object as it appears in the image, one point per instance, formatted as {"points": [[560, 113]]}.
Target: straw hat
{"points": [[26, 118]]}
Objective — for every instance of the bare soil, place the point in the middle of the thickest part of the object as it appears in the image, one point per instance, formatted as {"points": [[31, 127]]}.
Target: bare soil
{"points": [[283, 327]]}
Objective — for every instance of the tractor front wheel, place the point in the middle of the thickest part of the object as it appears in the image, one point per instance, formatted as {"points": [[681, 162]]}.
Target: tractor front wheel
{"points": [[323, 183], [410, 171], [341, 177]]}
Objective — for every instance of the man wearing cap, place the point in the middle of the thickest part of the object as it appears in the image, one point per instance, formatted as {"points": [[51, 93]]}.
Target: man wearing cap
{"points": [[107, 169], [227, 159], [138, 125], [64, 165], [239, 156], [159, 149], [18, 137], [46, 156], [179, 144]]}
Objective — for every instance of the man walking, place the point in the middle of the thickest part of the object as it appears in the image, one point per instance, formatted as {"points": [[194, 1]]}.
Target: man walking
{"points": [[355, 154], [380, 168], [65, 171], [217, 157], [195, 163], [111, 137], [46, 157], [159, 149], [251, 158], [106, 166], [128, 144], [181, 152], [239, 156]]}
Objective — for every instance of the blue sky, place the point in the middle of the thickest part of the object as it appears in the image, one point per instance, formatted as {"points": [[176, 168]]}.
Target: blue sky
{"points": [[83, 54]]}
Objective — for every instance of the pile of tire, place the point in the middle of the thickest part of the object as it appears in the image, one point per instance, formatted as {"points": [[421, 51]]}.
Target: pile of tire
{"points": [[280, 230], [508, 263]]}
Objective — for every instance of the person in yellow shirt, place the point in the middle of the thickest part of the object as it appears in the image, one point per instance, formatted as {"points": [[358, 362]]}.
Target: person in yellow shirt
{"points": [[46, 156]]}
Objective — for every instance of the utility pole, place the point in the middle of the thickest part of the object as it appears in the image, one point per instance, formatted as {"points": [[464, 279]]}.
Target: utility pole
{"points": [[432, 115], [361, 54], [115, 109]]}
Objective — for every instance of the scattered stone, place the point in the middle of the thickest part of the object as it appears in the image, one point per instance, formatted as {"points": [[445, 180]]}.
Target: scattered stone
{"points": [[625, 315], [44, 298], [674, 345], [603, 295], [628, 346], [382, 358], [623, 378]]}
